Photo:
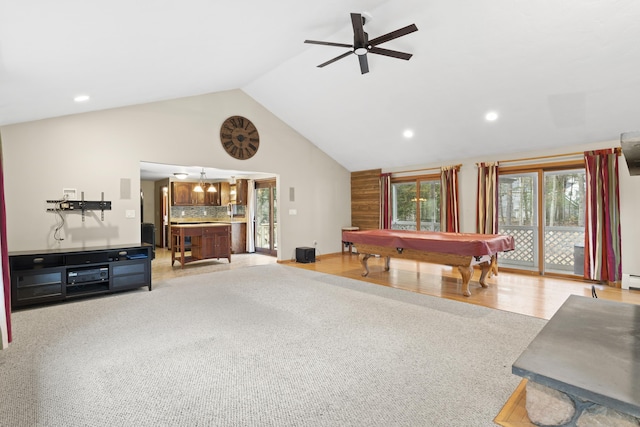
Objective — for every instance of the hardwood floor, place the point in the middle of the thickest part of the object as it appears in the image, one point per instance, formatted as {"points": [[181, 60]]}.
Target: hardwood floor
{"points": [[524, 294]]}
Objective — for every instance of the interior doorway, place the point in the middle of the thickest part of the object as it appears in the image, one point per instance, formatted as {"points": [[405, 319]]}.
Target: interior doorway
{"points": [[266, 217]]}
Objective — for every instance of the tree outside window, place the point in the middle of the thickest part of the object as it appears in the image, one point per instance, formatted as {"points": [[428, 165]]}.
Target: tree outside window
{"points": [[413, 212]]}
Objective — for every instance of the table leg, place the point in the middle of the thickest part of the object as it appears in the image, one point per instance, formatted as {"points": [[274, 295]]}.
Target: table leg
{"points": [[365, 258], [386, 263], [493, 270], [173, 250], [466, 272], [487, 267], [181, 249]]}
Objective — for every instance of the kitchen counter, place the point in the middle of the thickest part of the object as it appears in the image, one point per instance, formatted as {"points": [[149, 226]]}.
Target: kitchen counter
{"points": [[209, 240], [199, 224], [208, 221]]}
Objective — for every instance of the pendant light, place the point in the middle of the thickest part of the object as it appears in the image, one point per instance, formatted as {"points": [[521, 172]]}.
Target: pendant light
{"points": [[202, 184]]}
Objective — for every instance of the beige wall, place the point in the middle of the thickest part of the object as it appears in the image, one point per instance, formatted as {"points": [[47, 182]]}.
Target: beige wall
{"points": [[148, 190], [100, 152], [629, 198]]}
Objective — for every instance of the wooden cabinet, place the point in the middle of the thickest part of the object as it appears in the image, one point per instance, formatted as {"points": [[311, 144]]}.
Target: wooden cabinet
{"points": [[56, 275], [182, 193], [207, 241], [241, 192], [225, 197], [238, 237], [211, 198], [240, 196], [214, 242], [197, 198]]}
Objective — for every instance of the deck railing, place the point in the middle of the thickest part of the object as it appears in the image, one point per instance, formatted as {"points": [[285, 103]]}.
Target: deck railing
{"points": [[262, 235], [559, 243]]}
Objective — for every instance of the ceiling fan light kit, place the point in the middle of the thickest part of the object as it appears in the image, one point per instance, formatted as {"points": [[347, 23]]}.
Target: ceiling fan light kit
{"points": [[362, 45]]}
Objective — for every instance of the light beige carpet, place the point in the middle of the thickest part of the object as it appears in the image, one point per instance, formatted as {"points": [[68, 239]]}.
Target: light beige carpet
{"points": [[261, 346]]}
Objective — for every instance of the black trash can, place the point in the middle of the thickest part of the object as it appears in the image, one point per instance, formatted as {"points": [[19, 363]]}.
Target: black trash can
{"points": [[578, 259]]}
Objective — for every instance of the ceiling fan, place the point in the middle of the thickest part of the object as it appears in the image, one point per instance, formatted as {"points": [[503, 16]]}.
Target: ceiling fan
{"points": [[362, 45]]}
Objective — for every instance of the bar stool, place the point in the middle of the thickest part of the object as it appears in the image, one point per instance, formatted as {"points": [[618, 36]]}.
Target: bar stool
{"points": [[345, 243]]}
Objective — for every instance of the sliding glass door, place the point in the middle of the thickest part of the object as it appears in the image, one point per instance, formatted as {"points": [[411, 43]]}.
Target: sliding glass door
{"points": [[518, 217], [547, 222], [564, 208], [266, 217]]}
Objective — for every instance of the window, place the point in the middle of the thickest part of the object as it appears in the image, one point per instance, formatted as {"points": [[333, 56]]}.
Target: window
{"points": [[416, 204]]}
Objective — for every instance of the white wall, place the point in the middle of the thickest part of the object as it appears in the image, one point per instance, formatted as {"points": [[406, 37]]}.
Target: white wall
{"points": [[148, 189], [100, 151], [629, 197]]}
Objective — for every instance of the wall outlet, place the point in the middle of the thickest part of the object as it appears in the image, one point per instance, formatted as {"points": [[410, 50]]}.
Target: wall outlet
{"points": [[315, 243]]}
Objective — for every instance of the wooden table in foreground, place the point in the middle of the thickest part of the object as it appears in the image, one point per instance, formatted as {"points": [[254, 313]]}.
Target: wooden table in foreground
{"points": [[462, 250]]}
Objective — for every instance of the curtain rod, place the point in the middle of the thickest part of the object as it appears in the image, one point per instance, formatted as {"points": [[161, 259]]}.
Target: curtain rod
{"points": [[577, 153], [426, 169]]}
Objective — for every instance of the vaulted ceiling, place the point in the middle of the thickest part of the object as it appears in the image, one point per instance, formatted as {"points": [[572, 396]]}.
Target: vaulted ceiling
{"points": [[558, 73]]}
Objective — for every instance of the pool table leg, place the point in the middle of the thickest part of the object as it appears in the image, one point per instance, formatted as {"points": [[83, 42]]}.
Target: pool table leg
{"points": [[466, 272], [487, 268], [363, 261]]}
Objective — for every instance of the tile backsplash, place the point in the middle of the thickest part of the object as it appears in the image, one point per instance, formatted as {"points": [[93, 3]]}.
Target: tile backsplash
{"points": [[206, 212]]}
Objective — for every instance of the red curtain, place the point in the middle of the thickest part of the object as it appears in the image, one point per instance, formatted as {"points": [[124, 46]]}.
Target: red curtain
{"points": [[487, 203], [449, 220], [603, 247], [4, 254], [385, 201]]}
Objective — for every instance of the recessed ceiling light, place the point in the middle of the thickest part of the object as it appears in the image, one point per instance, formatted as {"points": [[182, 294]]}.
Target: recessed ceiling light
{"points": [[181, 175], [491, 116], [408, 133], [81, 98]]}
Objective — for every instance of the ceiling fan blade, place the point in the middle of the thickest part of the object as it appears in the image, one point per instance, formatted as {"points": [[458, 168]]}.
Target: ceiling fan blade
{"points": [[364, 64], [335, 59], [393, 35], [359, 39], [391, 53], [328, 43]]}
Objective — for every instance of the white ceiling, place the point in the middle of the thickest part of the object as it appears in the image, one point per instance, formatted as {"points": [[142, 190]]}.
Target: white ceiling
{"points": [[558, 72], [155, 171]]}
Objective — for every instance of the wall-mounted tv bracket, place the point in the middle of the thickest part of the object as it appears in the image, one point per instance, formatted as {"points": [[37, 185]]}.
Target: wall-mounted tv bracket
{"points": [[81, 205]]}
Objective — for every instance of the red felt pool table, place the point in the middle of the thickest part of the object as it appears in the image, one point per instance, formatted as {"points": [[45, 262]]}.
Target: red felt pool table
{"points": [[462, 250]]}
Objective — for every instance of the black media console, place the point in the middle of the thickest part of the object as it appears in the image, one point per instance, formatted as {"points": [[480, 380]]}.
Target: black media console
{"points": [[56, 275]]}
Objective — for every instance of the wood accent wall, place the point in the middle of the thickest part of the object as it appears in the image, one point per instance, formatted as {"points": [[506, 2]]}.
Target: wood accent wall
{"points": [[365, 199]]}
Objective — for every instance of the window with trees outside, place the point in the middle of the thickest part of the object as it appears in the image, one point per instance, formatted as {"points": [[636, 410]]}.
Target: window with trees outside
{"points": [[416, 204]]}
